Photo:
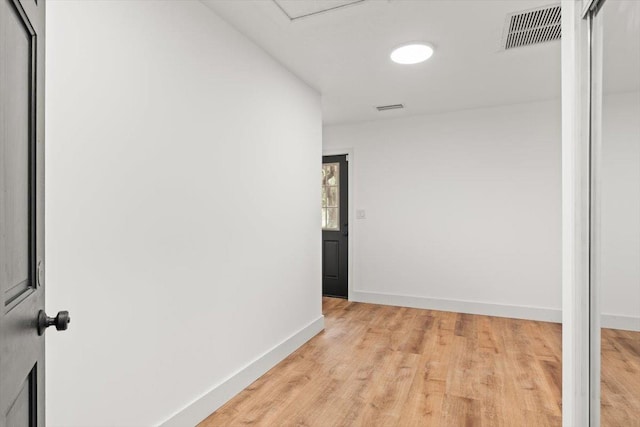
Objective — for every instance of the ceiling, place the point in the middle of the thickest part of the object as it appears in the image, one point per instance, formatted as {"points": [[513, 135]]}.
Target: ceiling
{"points": [[343, 53], [296, 9]]}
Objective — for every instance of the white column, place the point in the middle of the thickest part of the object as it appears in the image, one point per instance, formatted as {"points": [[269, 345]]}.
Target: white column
{"points": [[575, 216]]}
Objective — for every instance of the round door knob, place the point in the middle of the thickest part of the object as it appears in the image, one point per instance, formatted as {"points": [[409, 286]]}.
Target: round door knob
{"points": [[61, 321]]}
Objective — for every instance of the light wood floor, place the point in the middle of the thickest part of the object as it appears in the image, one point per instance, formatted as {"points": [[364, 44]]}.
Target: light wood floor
{"points": [[620, 378], [391, 366]]}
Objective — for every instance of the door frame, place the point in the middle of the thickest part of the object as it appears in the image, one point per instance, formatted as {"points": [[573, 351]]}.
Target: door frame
{"points": [[581, 104], [353, 229], [576, 215]]}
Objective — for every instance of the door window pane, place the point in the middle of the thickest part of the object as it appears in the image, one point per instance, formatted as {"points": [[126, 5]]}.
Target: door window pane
{"points": [[332, 219], [331, 196]]}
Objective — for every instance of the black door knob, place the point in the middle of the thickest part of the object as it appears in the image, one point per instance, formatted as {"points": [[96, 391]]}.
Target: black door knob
{"points": [[61, 321]]}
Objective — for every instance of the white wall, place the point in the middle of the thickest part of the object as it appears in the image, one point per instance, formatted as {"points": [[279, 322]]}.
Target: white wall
{"points": [[462, 210], [182, 208], [620, 215]]}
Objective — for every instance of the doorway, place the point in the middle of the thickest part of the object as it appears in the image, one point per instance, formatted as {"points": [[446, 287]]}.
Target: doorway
{"points": [[335, 226]]}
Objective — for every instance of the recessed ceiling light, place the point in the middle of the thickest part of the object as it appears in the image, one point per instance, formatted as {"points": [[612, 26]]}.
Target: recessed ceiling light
{"points": [[412, 53]]}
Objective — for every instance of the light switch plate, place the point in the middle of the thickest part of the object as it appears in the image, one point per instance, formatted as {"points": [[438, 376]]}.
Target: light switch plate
{"points": [[361, 214]]}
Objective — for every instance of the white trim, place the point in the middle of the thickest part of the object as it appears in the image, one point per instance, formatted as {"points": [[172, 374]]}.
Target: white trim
{"points": [[353, 227], [590, 6], [460, 306], [541, 314], [595, 140], [575, 217], [626, 323], [219, 394]]}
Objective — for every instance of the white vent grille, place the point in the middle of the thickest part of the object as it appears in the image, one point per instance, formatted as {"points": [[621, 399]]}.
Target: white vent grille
{"points": [[533, 26], [389, 107]]}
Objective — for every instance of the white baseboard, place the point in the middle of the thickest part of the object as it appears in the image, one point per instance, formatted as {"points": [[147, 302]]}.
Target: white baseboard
{"points": [[219, 394], [627, 323], [460, 306]]}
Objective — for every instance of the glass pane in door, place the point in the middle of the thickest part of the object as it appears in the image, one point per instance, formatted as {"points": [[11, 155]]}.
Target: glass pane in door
{"points": [[331, 196]]}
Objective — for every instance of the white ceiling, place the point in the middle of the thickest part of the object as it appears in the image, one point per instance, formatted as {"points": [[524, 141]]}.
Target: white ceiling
{"points": [[344, 53], [296, 9]]}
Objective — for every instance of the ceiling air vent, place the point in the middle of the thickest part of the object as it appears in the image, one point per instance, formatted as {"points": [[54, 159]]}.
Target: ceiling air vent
{"points": [[533, 26], [389, 107]]}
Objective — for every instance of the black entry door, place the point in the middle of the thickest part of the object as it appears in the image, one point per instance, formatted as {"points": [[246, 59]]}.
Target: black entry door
{"points": [[335, 226], [22, 214]]}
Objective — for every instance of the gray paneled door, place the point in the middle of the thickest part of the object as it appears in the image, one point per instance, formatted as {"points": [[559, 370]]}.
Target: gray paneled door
{"points": [[21, 212]]}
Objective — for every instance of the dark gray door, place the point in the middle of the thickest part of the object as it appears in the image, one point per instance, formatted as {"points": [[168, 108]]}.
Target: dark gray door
{"points": [[21, 212], [335, 226]]}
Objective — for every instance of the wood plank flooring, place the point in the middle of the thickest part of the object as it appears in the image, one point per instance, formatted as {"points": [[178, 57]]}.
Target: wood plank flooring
{"points": [[620, 378], [379, 365]]}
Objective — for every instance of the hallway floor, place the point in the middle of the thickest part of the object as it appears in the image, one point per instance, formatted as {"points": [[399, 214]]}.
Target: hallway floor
{"points": [[380, 365]]}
